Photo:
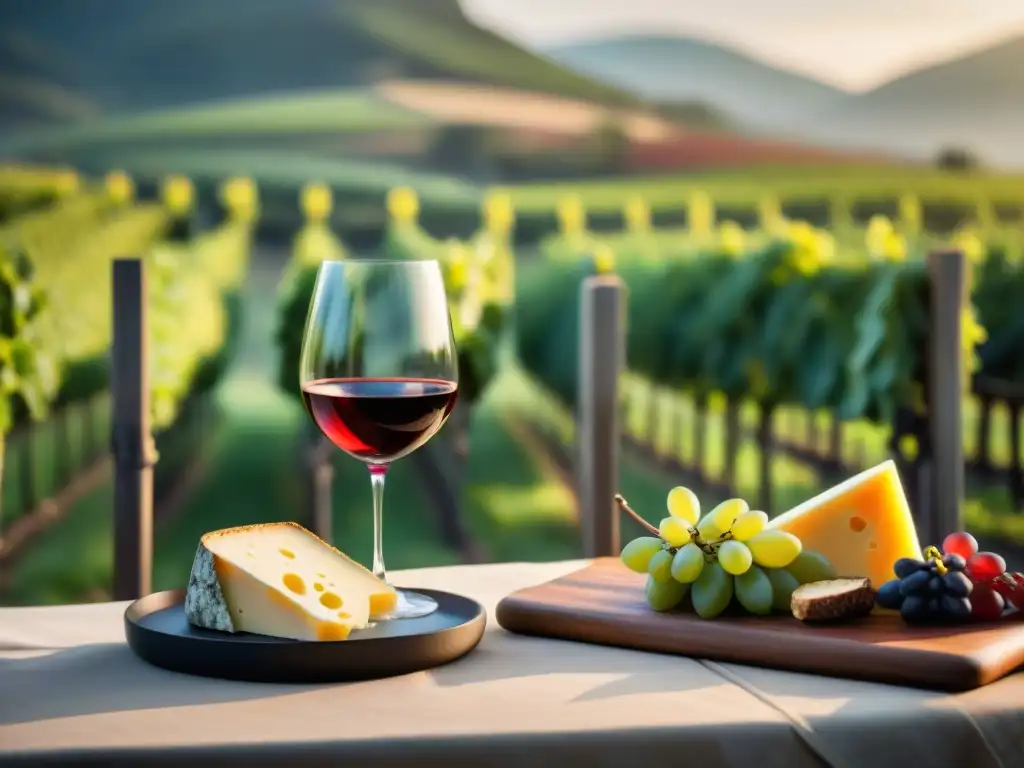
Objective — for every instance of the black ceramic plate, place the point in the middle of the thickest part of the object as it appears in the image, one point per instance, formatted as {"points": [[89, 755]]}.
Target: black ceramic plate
{"points": [[158, 632]]}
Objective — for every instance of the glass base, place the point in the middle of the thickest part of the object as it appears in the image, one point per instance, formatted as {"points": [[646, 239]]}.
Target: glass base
{"points": [[411, 605]]}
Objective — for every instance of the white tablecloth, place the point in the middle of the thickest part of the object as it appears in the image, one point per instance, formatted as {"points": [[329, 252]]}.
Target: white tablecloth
{"points": [[71, 692]]}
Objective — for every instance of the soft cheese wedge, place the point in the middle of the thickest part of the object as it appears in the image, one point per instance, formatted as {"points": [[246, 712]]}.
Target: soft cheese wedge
{"points": [[281, 580], [863, 525]]}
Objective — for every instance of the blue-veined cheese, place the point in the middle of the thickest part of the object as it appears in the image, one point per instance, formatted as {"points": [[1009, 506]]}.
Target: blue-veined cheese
{"points": [[281, 580]]}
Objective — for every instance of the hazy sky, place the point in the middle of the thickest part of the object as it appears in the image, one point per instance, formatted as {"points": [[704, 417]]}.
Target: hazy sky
{"points": [[854, 44]]}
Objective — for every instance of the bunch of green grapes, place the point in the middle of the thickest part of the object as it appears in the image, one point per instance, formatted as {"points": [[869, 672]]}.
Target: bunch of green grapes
{"points": [[727, 553]]}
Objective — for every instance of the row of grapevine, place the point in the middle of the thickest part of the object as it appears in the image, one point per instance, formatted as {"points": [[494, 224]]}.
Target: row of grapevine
{"points": [[69, 248], [55, 266], [788, 324], [785, 323]]}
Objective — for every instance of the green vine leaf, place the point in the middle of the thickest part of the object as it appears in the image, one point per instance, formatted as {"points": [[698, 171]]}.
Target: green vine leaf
{"points": [[27, 378]]}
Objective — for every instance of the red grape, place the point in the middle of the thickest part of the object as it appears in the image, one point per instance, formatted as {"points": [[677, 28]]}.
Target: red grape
{"points": [[986, 603], [1011, 587], [985, 566], [960, 543]]}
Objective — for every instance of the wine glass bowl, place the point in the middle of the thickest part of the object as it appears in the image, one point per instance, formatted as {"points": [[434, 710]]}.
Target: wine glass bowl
{"points": [[379, 371], [379, 420]]}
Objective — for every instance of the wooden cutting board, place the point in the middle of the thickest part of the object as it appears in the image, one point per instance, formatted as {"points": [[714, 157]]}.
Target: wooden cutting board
{"points": [[604, 604]]}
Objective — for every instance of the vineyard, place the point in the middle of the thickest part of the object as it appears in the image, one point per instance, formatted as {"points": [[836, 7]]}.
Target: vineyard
{"points": [[766, 355], [769, 363], [57, 328]]}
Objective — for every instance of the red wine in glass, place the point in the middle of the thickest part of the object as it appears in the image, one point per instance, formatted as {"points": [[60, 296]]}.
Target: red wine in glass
{"points": [[379, 420], [379, 373]]}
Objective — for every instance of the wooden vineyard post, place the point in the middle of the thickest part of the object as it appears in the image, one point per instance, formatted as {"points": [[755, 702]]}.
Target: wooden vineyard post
{"points": [[945, 473], [602, 358], [131, 439]]}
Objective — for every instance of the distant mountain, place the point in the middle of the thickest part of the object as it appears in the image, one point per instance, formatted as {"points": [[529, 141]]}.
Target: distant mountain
{"points": [[975, 101], [67, 59], [681, 69]]}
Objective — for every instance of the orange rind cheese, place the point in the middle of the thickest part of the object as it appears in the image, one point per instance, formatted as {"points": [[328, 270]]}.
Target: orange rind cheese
{"points": [[281, 580], [862, 526]]}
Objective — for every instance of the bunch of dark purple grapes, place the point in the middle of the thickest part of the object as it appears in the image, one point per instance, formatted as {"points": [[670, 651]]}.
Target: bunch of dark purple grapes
{"points": [[947, 587]]}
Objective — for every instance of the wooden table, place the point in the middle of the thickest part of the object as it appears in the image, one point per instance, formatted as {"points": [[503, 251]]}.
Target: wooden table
{"points": [[71, 692]]}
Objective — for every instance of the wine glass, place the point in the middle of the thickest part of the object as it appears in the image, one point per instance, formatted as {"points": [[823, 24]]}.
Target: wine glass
{"points": [[379, 372]]}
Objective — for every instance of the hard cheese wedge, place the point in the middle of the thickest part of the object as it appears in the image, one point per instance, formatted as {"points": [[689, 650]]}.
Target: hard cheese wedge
{"points": [[863, 525], [279, 579]]}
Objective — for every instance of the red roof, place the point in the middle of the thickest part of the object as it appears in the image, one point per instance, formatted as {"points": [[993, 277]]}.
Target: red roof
{"points": [[692, 150]]}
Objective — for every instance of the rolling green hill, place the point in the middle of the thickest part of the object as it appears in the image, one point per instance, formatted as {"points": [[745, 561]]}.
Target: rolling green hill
{"points": [[326, 113], [120, 56]]}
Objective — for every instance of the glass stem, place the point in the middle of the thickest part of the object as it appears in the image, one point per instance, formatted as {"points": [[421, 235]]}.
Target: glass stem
{"points": [[377, 473]]}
